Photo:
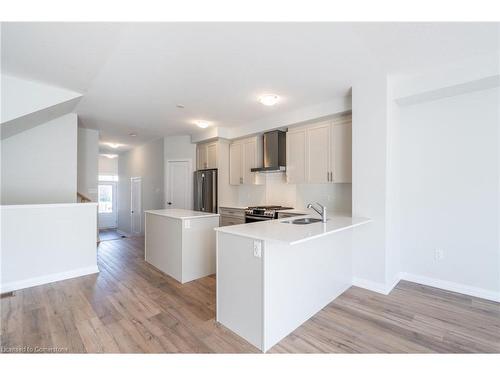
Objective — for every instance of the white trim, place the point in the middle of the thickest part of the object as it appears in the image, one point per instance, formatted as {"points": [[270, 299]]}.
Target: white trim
{"points": [[385, 289], [371, 285], [132, 179], [190, 181], [35, 281], [452, 286]]}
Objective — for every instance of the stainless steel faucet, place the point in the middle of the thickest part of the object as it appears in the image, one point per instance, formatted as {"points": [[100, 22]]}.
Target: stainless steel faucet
{"points": [[322, 211]]}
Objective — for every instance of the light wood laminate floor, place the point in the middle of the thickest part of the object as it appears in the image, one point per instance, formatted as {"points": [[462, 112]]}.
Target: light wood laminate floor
{"points": [[132, 307]]}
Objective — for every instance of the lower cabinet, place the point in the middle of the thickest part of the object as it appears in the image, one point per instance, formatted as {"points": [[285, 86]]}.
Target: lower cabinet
{"points": [[231, 216]]}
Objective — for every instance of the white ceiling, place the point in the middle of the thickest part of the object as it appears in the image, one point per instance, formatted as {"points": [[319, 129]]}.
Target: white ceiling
{"points": [[132, 75]]}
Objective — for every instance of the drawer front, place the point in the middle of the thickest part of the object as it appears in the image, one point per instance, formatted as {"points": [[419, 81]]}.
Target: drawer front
{"points": [[232, 212], [230, 220]]}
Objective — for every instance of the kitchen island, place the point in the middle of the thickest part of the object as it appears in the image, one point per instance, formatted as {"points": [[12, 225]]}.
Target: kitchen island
{"points": [[274, 275], [181, 243]]}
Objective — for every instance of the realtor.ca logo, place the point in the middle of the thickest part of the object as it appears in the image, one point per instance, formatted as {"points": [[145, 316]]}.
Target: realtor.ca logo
{"points": [[32, 349]]}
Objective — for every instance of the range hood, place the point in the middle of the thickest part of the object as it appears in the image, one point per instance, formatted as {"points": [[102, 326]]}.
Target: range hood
{"points": [[274, 152]]}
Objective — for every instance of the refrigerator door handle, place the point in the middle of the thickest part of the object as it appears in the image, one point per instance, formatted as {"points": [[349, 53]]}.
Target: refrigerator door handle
{"points": [[214, 193], [202, 192]]}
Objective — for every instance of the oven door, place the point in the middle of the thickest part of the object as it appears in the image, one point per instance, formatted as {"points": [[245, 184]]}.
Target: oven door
{"points": [[254, 218]]}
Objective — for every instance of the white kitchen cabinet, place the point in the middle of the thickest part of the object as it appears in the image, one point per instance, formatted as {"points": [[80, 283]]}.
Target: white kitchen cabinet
{"points": [[296, 156], [244, 155], [206, 155], [235, 167], [320, 153], [212, 155], [341, 152]]}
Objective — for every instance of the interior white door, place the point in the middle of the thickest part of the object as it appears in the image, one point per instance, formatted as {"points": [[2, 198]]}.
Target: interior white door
{"points": [[107, 204], [135, 205], [179, 184]]}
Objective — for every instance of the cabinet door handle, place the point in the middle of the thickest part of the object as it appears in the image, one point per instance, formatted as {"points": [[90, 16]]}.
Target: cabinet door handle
{"points": [[328, 176], [331, 176]]}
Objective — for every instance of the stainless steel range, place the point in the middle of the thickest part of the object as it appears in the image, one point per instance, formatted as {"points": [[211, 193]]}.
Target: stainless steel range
{"points": [[260, 213]]}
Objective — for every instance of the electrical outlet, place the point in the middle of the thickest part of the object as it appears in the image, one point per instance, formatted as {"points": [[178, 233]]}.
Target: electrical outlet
{"points": [[257, 249], [438, 254], [187, 224]]}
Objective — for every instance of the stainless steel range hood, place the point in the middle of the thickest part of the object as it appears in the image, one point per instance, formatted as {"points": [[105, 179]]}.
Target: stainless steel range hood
{"points": [[274, 152]]}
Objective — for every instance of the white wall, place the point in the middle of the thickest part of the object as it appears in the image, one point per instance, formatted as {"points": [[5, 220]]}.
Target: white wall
{"points": [[21, 97], [26, 104], [56, 242], [88, 151], [449, 189], [369, 147], [39, 165], [108, 166], [146, 161]]}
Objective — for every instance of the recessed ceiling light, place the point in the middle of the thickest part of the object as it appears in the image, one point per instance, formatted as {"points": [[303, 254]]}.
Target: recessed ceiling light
{"points": [[133, 134], [179, 106], [110, 156], [202, 124], [269, 99]]}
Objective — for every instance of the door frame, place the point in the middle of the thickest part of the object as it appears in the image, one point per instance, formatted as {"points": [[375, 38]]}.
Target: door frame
{"points": [[115, 201], [140, 204], [190, 180]]}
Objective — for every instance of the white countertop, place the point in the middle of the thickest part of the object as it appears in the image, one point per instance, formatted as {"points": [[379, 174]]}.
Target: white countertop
{"points": [[177, 213], [279, 230]]}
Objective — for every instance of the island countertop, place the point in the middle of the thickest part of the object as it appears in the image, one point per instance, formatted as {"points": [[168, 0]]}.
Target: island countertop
{"points": [[181, 214], [284, 231]]}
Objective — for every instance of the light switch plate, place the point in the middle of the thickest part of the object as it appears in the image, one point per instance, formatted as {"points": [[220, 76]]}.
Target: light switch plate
{"points": [[187, 224], [257, 249]]}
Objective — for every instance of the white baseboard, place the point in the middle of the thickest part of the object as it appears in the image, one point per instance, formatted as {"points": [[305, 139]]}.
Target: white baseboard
{"points": [[35, 281], [371, 285], [428, 281], [452, 286]]}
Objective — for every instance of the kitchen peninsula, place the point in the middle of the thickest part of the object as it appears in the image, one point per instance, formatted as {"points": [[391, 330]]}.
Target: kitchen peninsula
{"points": [[272, 276]]}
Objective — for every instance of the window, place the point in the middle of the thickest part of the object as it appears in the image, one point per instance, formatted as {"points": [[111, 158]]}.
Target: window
{"points": [[106, 177], [105, 199]]}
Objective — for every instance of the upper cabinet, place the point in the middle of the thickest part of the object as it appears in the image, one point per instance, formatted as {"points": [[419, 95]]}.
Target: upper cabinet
{"points": [[206, 155], [296, 156], [244, 154], [320, 153], [341, 151]]}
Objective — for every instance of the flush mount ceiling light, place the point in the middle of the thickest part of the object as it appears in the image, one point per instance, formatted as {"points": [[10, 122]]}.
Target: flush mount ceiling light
{"points": [[133, 134], [202, 124], [110, 156], [113, 145], [181, 106], [269, 99]]}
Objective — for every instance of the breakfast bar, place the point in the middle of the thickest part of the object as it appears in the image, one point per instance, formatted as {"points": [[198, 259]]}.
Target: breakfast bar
{"points": [[272, 276]]}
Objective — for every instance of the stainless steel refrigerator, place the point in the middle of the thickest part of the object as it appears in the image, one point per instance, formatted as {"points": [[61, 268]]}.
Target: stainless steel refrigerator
{"points": [[205, 190]]}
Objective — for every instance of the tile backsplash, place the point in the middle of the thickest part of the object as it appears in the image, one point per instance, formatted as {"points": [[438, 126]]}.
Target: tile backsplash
{"points": [[275, 190]]}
